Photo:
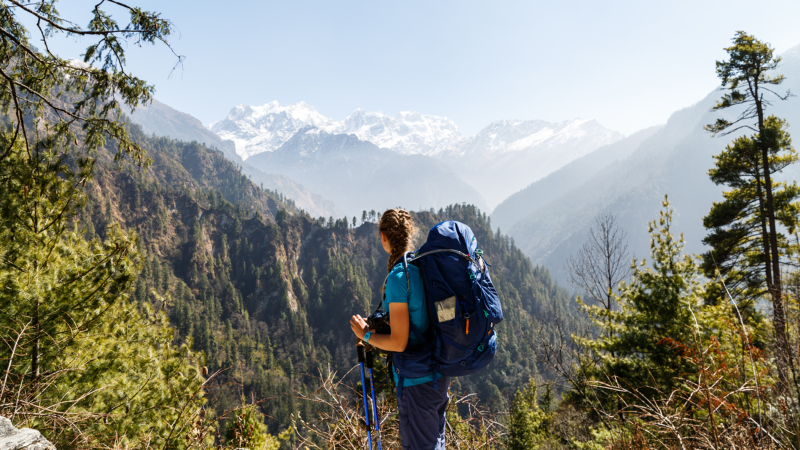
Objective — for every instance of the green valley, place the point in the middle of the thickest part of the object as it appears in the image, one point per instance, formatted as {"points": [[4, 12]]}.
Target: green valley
{"points": [[266, 291]]}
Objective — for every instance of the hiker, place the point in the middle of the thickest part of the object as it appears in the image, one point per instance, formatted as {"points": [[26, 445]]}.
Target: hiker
{"points": [[421, 404]]}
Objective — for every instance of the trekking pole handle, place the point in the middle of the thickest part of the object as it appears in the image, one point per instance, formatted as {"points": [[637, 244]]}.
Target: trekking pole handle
{"points": [[360, 351]]}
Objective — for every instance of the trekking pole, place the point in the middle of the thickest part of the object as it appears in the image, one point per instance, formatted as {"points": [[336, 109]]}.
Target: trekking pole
{"points": [[361, 358], [370, 363]]}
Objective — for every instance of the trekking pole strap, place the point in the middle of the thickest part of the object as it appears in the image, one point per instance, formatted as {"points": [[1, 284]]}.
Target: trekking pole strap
{"points": [[360, 351]]}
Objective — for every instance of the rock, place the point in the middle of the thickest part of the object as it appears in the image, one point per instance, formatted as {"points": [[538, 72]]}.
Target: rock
{"points": [[26, 438]]}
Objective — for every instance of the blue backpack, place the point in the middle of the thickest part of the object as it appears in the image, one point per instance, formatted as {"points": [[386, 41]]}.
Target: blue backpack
{"points": [[463, 307]]}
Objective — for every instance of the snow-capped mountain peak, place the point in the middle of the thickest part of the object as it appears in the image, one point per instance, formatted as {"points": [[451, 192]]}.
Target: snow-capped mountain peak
{"points": [[502, 158], [407, 133], [256, 129]]}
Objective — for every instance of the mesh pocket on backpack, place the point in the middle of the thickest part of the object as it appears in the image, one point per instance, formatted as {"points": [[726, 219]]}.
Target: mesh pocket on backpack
{"points": [[446, 309]]}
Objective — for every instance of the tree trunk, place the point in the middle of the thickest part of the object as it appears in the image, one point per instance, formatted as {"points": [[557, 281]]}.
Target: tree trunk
{"points": [[778, 313], [764, 232]]}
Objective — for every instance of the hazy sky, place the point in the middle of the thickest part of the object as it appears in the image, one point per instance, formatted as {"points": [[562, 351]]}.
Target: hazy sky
{"points": [[627, 64]]}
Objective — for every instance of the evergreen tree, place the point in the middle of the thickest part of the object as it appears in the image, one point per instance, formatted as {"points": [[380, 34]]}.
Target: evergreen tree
{"points": [[738, 232], [82, 349], [63, 96], [152, 389], [247, 430], [748, 76], [87, 364], [55, 284], [527, 425]]}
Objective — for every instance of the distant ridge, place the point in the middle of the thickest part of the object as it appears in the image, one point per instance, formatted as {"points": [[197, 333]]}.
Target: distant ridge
{"points": [[547, 189], [358, 175], [163, 120], [508, 155]]}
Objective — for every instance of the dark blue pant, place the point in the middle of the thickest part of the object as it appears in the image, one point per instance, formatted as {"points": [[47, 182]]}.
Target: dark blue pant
{"points": [[421, 409]]}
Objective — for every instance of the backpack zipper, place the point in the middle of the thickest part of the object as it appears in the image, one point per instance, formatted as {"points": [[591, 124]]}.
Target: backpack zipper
{"points": [[465, 315]]}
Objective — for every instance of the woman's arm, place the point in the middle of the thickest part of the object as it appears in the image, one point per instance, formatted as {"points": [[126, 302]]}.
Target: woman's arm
{"points": [[395, 342]]}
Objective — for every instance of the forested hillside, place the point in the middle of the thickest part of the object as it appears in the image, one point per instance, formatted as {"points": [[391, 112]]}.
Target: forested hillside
{"points": [[159, 119], [266, 291]]}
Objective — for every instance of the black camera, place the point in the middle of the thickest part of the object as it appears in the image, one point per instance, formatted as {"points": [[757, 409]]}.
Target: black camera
{"points": [[378, 323]]}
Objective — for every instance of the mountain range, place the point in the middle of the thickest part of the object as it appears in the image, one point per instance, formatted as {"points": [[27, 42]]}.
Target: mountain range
{"points": [[501, 159], [547, 180], [550, 218]]}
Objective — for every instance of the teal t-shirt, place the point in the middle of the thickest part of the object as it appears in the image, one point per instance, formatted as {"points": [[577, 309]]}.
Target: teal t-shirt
{"points": [[417, 310]]}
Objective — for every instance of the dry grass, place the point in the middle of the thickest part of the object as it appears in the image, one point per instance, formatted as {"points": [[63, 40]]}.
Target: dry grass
{"points": [[339, 421]]}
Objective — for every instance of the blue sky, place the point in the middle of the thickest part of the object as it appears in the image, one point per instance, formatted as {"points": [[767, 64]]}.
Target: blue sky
{"points": [[628, 64]]}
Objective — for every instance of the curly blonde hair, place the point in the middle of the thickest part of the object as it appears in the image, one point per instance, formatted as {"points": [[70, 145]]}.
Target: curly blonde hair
{"points": [[398, 227]]}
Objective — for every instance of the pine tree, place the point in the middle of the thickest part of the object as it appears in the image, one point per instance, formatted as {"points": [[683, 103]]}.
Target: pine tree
{"points": [[55, 283], [738, 233], [748, 76], [527, 427], [84, 349], [247, 430]]}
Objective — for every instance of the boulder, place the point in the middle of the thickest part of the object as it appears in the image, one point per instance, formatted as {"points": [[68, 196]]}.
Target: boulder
{"points": [[24, 439]]}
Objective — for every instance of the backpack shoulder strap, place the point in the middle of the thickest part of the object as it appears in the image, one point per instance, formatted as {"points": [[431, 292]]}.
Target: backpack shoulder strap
{"points": [[416, 256], [405, 260]]}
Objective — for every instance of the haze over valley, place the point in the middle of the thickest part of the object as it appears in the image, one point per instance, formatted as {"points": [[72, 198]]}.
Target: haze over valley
{"points": [[542, 182]]}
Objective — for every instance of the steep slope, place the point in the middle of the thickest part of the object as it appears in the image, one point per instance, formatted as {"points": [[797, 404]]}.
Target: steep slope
{"points": [[162, 120], [542, 192], [674, 161], [358, 175], [266, 291]]}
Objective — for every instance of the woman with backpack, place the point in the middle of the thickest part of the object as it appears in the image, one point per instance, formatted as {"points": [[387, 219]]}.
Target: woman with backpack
{"points": [[421, 400]]}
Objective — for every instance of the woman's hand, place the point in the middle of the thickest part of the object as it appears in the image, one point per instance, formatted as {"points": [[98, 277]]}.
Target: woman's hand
{"points": [[394, 342], [359, 326]]}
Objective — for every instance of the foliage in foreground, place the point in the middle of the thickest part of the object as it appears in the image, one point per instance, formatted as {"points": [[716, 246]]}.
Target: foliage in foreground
{"points": [[668, 370], [80, 360], [681, 356], [338, 420]]}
